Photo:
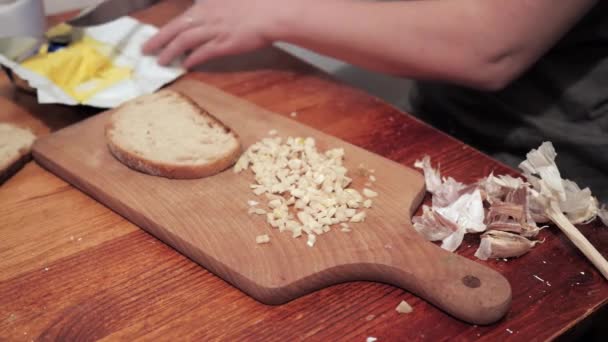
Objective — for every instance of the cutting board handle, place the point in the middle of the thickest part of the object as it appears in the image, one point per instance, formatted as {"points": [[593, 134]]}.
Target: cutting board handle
{"points": [[464, 288]]}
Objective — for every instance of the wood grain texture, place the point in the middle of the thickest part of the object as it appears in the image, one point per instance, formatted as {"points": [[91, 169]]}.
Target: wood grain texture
{"points": [[207, 220], [119, 283]]}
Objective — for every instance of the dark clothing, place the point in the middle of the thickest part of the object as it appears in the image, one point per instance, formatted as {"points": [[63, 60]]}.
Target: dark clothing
{"points": [[563, 98]]}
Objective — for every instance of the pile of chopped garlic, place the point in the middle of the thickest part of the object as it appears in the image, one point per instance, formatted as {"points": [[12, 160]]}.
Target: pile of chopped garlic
{"points": [[307, 190], [504, 208]]}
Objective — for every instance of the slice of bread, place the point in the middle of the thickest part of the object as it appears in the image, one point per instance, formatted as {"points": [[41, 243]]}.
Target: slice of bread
{"points": [[15, 146], [167, 134]]}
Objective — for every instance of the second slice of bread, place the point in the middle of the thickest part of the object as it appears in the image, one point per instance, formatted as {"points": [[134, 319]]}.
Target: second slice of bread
{"points": [[15, 146], [167, 134]]}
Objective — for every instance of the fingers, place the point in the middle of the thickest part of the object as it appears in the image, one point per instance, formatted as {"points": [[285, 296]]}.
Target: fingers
{"points": [[168, 32], [206, 52], [185, 41]]}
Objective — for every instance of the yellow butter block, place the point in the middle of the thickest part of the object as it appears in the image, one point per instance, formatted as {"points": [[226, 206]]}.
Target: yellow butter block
{"points": [[81, 70]]}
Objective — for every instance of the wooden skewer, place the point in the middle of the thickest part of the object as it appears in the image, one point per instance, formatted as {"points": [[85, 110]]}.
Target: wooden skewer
{"points": [[579, 240]]}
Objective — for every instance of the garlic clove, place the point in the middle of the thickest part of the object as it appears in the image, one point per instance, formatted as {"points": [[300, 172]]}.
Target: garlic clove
{"points": [[499, 244]]}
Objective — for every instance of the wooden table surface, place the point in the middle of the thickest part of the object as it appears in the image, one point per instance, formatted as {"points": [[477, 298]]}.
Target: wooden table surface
{"points": [[71, 269]]}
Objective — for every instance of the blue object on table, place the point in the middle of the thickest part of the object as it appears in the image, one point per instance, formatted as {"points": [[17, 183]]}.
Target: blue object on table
{"points": [[54, 46]]}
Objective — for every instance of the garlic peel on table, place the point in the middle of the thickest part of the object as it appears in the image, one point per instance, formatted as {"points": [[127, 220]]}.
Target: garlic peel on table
{"points": [[508, 209]]}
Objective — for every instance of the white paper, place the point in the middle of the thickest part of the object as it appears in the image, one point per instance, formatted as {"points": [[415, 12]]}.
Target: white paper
{"points": [[128, 36]]}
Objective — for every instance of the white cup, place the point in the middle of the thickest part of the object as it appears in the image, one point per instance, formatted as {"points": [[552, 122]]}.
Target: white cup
{"points": [[22, 18]]}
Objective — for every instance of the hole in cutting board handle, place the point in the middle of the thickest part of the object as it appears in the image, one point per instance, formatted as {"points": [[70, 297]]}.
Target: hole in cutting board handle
{"points": [[471, 281]]}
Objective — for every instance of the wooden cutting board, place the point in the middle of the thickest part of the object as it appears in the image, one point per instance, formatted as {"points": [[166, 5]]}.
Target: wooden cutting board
{"points": [[207, 219]]}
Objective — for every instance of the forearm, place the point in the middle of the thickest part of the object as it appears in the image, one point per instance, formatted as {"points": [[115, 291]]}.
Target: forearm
{"points": [[469, 42]]}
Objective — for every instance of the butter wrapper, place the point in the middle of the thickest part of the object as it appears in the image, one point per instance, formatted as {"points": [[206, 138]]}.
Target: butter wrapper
{"points": [[107, 70]]}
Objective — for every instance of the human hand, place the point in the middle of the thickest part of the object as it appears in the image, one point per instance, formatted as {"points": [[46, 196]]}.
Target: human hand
{"points": [[214, 28]]}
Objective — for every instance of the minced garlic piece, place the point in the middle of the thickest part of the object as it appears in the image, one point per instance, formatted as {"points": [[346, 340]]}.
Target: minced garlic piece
{"points": [[369, 193], [358, 217], [404, 307], [261, 239], [311, 240]]}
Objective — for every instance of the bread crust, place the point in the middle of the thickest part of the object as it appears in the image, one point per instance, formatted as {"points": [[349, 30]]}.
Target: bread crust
{"points": [[169, 170], [16, 161], [14, 165]]}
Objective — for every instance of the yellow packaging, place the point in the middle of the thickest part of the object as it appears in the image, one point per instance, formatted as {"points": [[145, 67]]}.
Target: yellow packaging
{"points": [[81, 69], [103, 69]]}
